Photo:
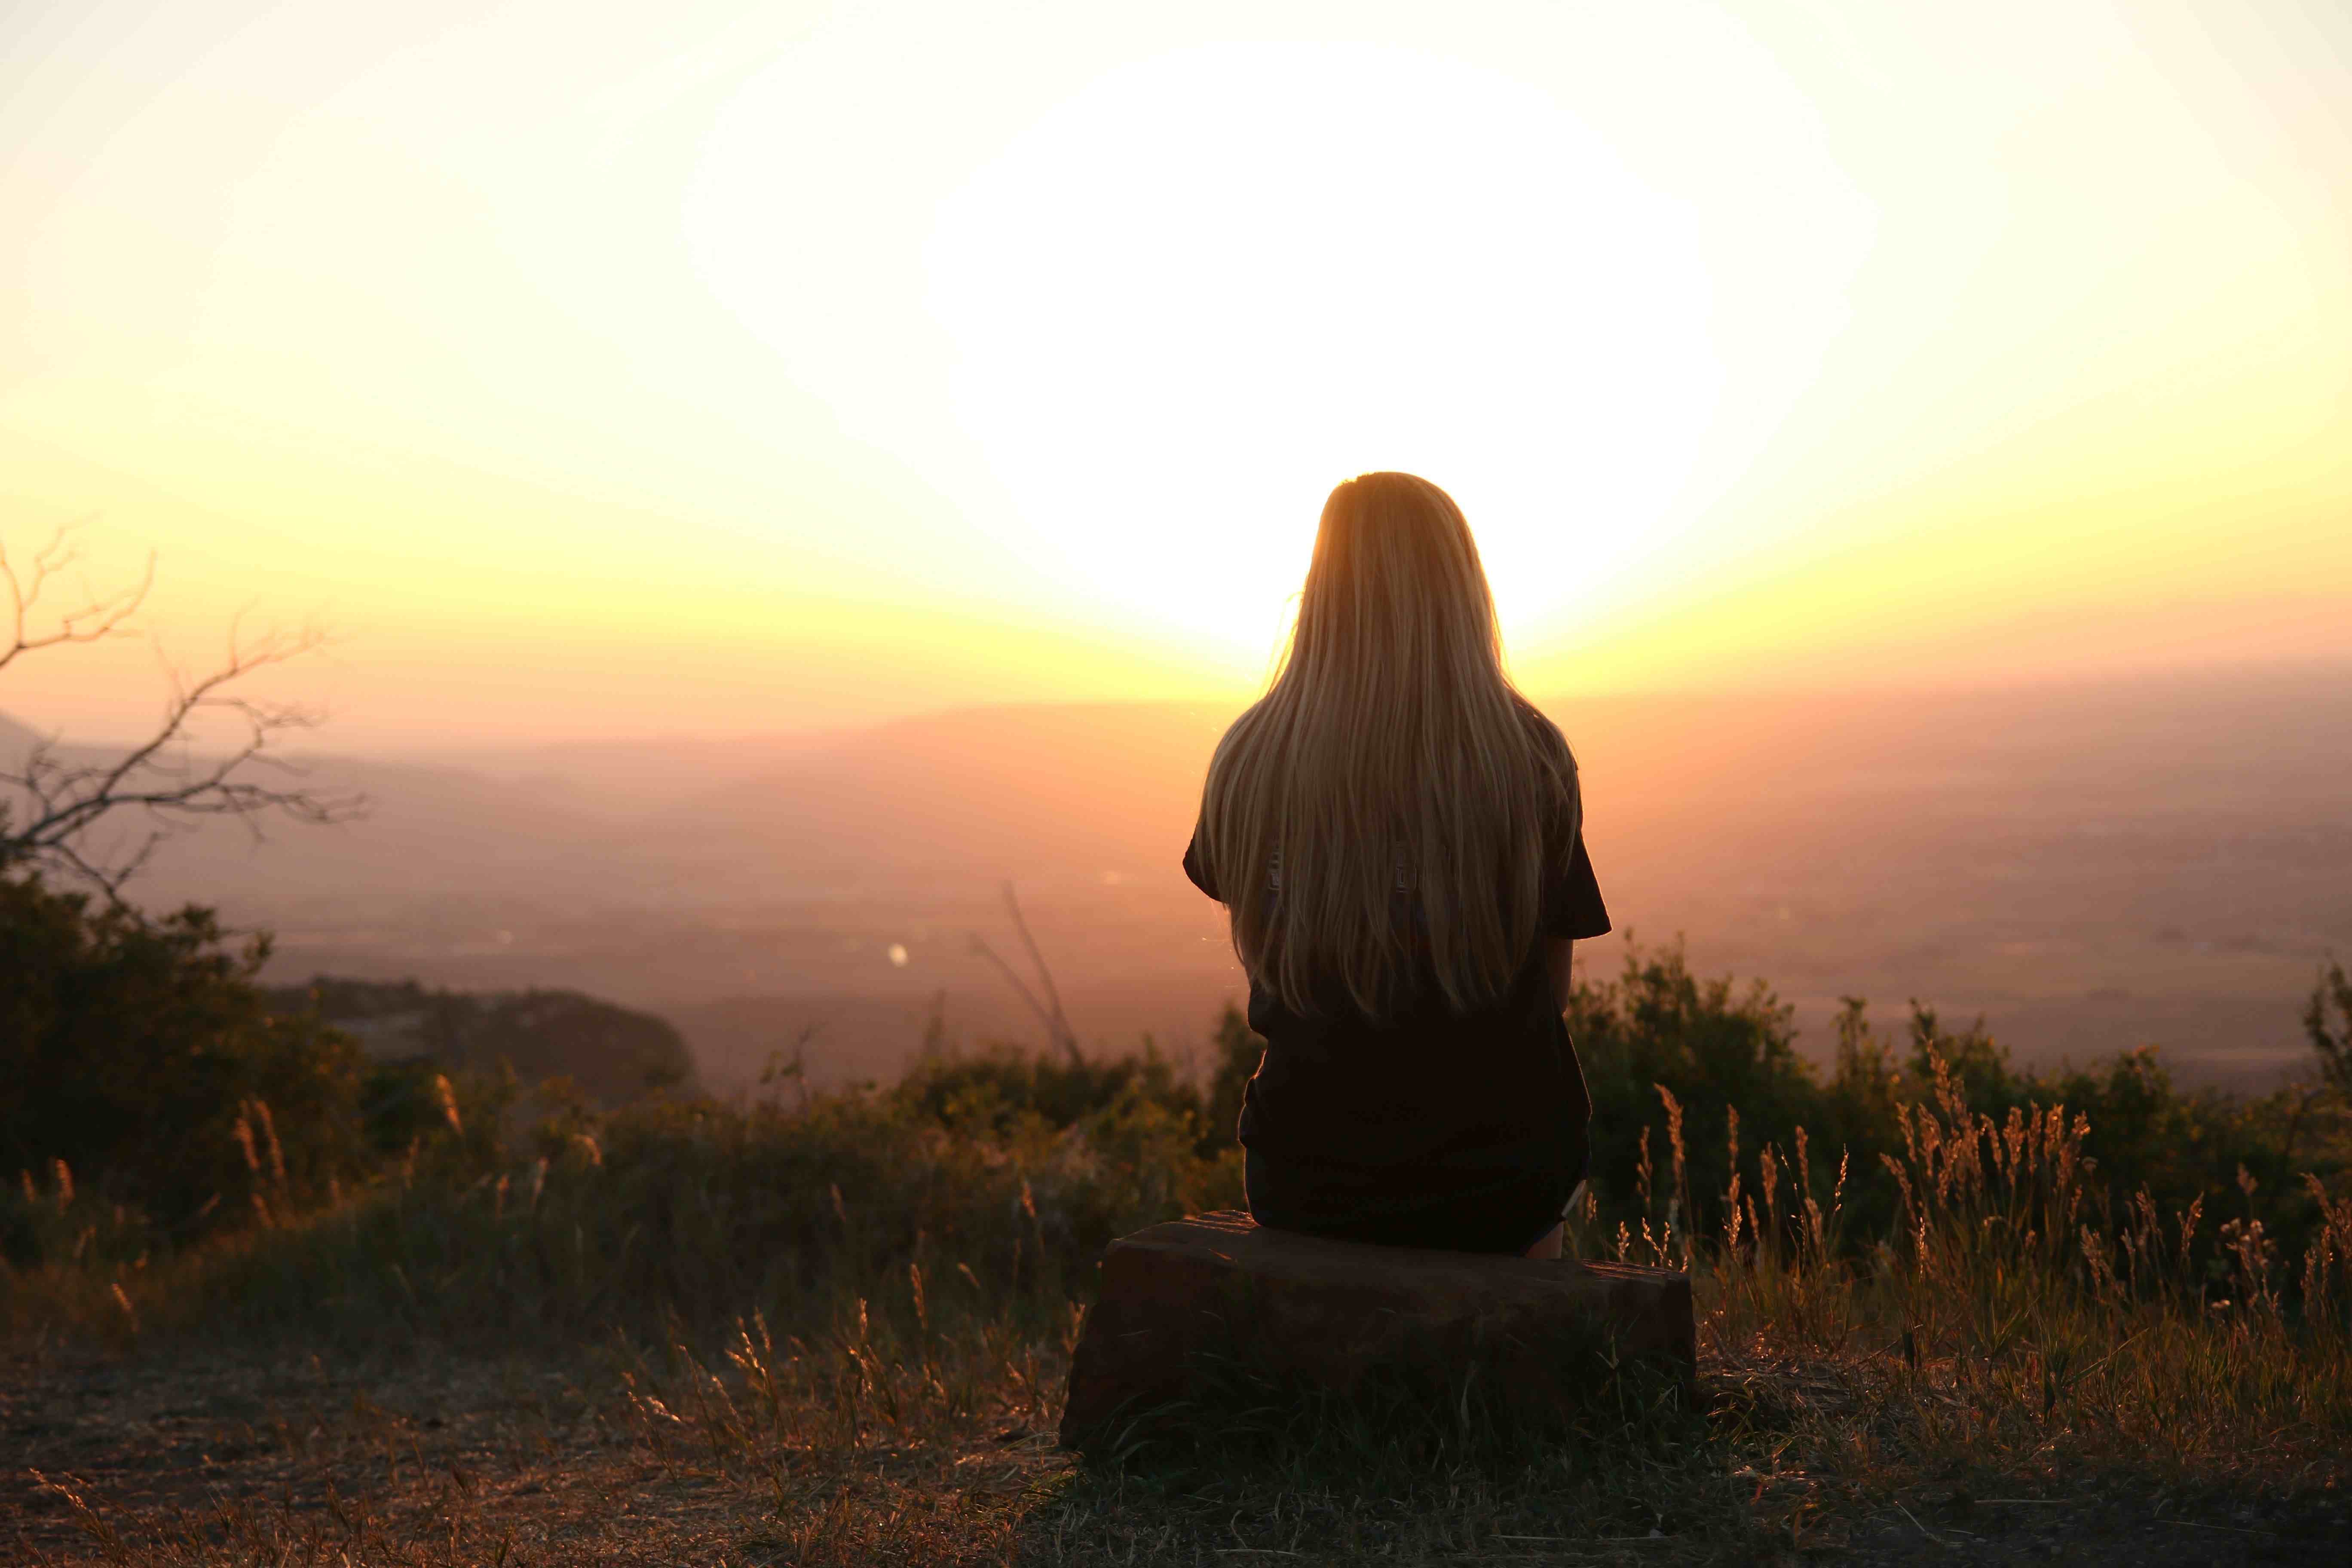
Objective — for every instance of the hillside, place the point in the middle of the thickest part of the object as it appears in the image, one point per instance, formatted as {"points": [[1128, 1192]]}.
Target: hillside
{"points": [[2091, 867], [611, 1053]]}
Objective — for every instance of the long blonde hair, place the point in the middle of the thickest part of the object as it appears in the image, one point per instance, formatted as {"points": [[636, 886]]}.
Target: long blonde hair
{"points": [[1378, 821]]}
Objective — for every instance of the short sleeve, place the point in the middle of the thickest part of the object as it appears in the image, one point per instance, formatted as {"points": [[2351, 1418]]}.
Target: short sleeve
{"points": [[1573, 906], [1197, 869]]}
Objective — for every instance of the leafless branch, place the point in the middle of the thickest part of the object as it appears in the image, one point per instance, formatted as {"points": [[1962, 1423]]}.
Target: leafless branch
{"points": [[1048, 1008], [50, 804], [96, 617]]}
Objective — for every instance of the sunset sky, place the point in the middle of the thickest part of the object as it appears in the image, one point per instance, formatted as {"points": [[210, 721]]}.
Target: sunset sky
{"points": [[729, 367]]}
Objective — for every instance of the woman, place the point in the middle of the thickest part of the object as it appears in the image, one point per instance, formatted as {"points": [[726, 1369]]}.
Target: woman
{"points": [[1396, 834]]}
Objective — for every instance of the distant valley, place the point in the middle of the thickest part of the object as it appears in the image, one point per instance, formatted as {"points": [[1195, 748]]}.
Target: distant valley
{"points": [[2090, 866]]}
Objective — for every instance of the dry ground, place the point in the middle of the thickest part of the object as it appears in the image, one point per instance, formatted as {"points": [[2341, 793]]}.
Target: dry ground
{"points": [[239, 1457], [236, 1456]]}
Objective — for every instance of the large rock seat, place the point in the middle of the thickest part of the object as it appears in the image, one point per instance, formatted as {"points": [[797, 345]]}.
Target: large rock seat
{"points": [[1329, 1311]]}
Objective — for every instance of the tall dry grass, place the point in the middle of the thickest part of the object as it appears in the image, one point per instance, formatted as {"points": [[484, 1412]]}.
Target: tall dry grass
{"points": [[830, 1307], [2014, 1317]]}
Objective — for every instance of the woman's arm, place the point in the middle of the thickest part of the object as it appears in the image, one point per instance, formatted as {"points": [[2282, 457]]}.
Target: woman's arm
{"points": [[1556, 954]]}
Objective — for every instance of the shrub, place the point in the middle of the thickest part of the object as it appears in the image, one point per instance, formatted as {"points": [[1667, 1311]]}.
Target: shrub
{"points": [[1000, 1088], [139, 1053], [1677, 1065], [1718, 1052]]}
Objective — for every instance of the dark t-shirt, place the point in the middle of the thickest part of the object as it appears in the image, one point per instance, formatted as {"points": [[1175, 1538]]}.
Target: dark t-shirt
{"points": [[1434, 1129]]}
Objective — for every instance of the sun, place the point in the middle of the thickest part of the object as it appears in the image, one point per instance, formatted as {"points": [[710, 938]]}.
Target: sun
{"points": [[1136, 338], [1191, 299]]}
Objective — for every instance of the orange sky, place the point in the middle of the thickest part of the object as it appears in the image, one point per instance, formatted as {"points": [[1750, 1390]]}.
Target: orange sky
{"points": [[728, 368]]}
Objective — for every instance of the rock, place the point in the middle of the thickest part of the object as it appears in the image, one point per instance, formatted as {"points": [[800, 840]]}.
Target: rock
{"points": [[1328, 1310]]}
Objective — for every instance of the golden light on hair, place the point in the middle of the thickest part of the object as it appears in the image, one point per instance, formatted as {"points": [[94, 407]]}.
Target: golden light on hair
{"points": [[1378, 823]]}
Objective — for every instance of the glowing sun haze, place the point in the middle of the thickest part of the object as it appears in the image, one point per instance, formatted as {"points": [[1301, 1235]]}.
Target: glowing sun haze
{"points": [[1181, 301], [735, 367]]}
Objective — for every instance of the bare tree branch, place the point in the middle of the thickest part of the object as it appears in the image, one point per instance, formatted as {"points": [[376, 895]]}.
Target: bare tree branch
{"points": [[98, 616], [1049, 1007], [50, 804]]}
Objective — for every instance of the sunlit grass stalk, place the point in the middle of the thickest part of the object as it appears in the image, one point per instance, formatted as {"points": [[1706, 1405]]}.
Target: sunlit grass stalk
{"points": [[2003, 1316]]}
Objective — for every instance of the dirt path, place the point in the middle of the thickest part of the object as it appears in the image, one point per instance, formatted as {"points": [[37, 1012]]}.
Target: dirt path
{"points": [[236, 1457], [232, 1457], [149, 1460]]}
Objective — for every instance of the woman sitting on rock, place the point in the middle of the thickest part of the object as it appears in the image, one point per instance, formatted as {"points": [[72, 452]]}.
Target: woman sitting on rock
{"points": [[1396, 834]]}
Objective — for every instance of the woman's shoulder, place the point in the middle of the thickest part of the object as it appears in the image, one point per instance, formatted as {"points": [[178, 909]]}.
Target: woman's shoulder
{"points": [[1245, 724], [1549, 743]]}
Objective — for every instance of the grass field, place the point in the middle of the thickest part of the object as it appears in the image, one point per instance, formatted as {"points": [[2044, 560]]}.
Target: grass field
{"points": [[837, 1332]]}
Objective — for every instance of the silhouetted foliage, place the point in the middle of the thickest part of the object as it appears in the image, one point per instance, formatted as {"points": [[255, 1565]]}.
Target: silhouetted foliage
{"points": [[1720, 1052], [53, 802], [1000, 1088], [141, 1046], [2327, 1023], [139, 1052], [1724, 1056], [1711, 1046]]}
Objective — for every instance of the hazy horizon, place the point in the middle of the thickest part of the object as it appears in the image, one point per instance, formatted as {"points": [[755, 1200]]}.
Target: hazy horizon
{"points": [[328, 741], [2092, 866]]}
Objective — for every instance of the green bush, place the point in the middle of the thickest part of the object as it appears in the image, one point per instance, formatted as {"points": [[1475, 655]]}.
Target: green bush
{"points": [[139, 1053], [153, 1095], [1713, 1047], [1724, 1056], [1002, 1086], [699, 1213]]}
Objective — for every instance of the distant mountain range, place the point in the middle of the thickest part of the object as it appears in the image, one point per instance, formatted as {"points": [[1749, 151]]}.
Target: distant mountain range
{"points": [[609, 1052], [2090, 864]]}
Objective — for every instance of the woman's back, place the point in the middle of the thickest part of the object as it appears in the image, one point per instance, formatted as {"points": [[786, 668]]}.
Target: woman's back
{"points": [[1397, 836], [1433, 1126]]}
